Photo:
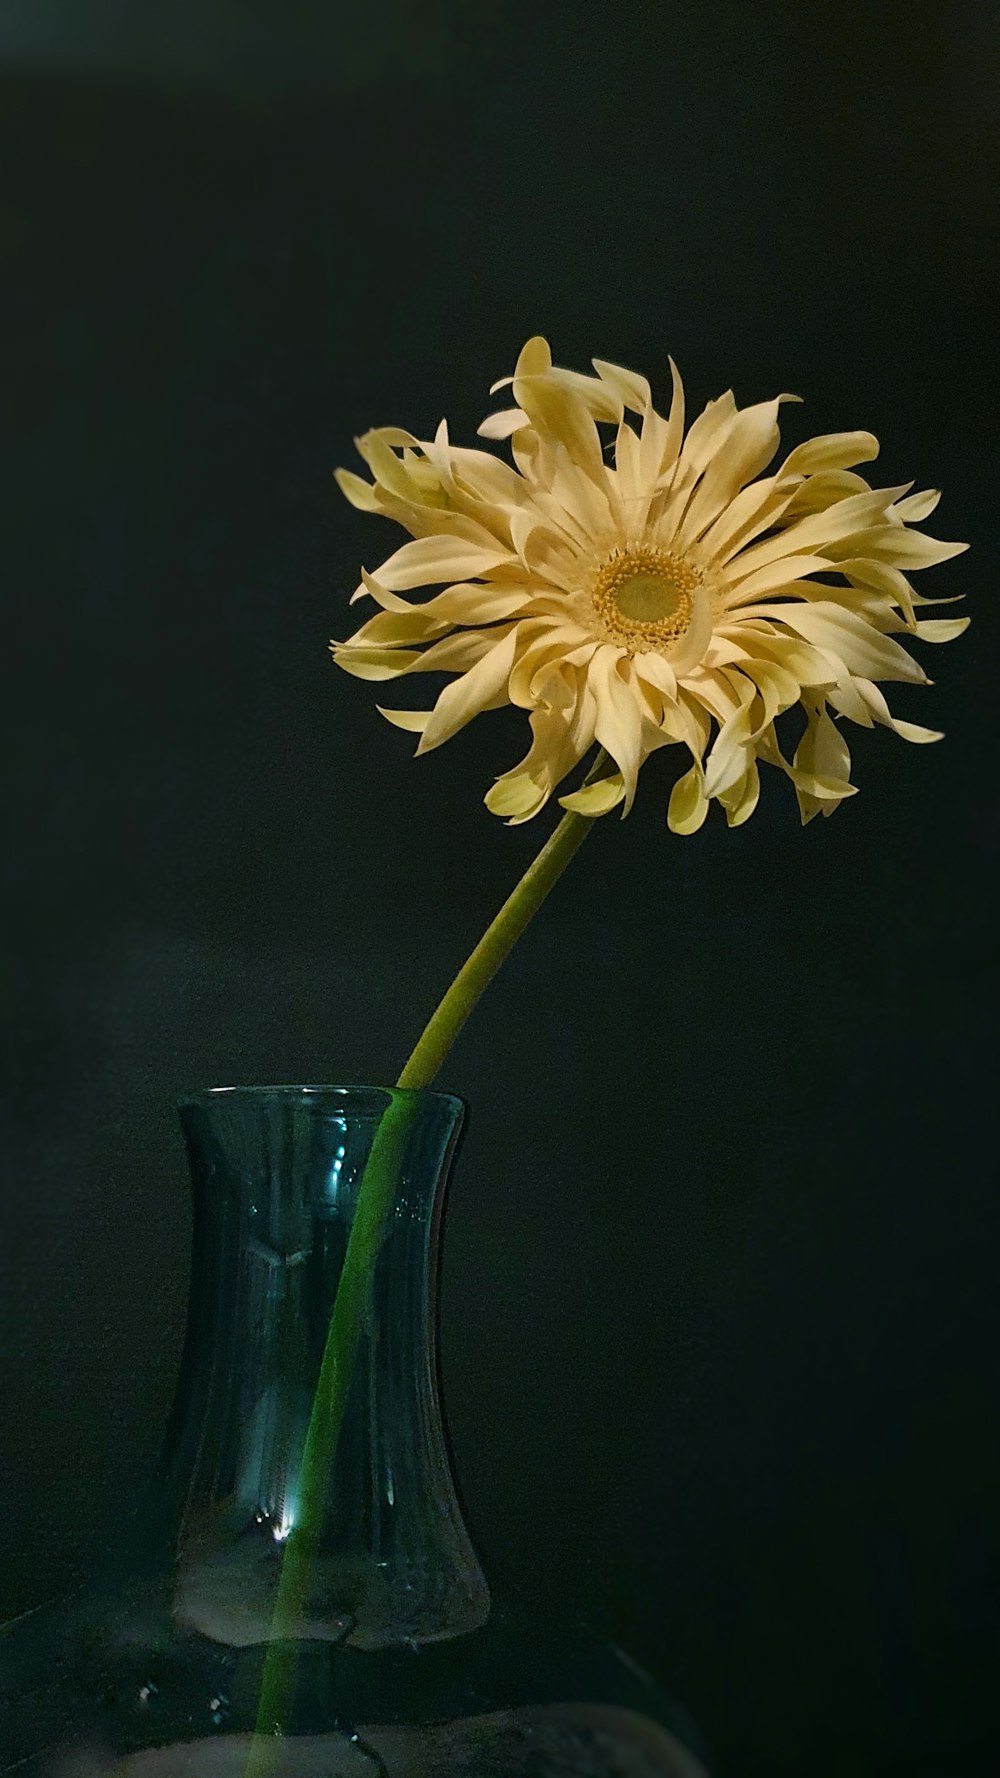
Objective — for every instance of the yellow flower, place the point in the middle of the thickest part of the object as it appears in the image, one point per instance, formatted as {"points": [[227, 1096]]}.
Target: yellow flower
{"points": [[664, 596]]}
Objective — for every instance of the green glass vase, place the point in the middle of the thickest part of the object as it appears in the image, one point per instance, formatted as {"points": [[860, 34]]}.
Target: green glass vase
{"points": [[400, 1664]]}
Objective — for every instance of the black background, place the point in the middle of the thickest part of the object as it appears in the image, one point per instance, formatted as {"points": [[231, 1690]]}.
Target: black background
{"points": [[720, 1307]]}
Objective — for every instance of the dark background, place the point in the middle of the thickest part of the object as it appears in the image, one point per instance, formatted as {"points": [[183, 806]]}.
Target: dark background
{"points": [[720, 1316]]}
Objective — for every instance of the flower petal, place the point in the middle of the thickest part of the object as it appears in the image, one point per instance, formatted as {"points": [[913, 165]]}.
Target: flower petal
{"points": [[534, 359], [483, 687], [390, 629], [830, 450], [798, 657], [778, 688], [596, 799], [741, 798], [427, 560], [941, 629], [910, 731], [355, 489], [846, 635], [631, 389], [746, 449], [559, 412], [772, 577], [413, 720], [688, 804], [905, 548], [814, 533], [675, 421], [727, 762], [502, 424], [618, 726], [917, 507], [374, 663]]}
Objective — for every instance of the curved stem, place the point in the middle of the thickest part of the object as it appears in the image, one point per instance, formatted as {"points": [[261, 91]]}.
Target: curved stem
{"points": [[375, 1197], [497, 941]]}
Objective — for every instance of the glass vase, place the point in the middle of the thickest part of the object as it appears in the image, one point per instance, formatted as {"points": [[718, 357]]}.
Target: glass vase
{"points": [[398, 1662]]}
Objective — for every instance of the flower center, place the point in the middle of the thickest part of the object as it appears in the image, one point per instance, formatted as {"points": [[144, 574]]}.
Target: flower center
{"points": [[644, 599]]}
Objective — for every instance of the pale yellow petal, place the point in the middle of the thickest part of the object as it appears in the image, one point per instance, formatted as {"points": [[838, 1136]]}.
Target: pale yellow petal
{"points": [[374, 663], [889, 583], [631, 389], [460, 650], [373, 589], [599, 399], [473, 603], [598, 798], [502, 424], [818, 795], [675, 421], [517, 797], [483, 687], [618, 727], [707, 433], [722, 651], [583, 496], [771, 578], [822, 749], [542, 642], [754, 509], [427, 560], [798, 657], [778, 688], [359, 492], [818, 492], [535, 358], [653, 441], [630, 487], [415, 721], [741, 798], [821, 766], [392, 629], [687, 721], [557, 411], [847, 701], [844, 634], [728, 760], [813, 534], [917, 507], [830, 450], [562, 730], [685, 654], [748, 446], [688, 803], [909, 731], [376, 447], [396, 437], [941, 629], [657, 671], [905, 548]]}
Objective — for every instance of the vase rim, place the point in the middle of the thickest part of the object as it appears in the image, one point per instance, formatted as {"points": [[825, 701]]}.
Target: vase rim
{"points": [[322, 1090]]}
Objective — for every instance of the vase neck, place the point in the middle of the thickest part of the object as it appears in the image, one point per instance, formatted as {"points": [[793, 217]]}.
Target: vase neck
{"points": [[276, 1174]]}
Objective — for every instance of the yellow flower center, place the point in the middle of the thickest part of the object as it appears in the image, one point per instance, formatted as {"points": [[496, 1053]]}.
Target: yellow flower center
{"points": [[644, 599]]}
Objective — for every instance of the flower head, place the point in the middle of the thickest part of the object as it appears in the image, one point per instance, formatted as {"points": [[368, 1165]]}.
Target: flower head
{"points": [[653, 590]]}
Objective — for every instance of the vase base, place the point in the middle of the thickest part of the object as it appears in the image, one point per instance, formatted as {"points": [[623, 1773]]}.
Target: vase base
{"points": [[559, 1741], [509, 1701]]}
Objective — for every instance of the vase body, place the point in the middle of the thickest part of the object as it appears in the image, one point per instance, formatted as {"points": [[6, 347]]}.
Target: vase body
{"points": [[397, 1662]]}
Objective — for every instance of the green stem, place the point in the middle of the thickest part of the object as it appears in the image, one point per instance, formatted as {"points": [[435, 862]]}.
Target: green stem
{"points": [[374, 1200], [499, 938], [375, 1196]]}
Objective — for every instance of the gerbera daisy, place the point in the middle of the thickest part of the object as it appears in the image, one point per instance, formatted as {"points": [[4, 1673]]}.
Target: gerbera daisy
{"points": [[647, 592]]}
